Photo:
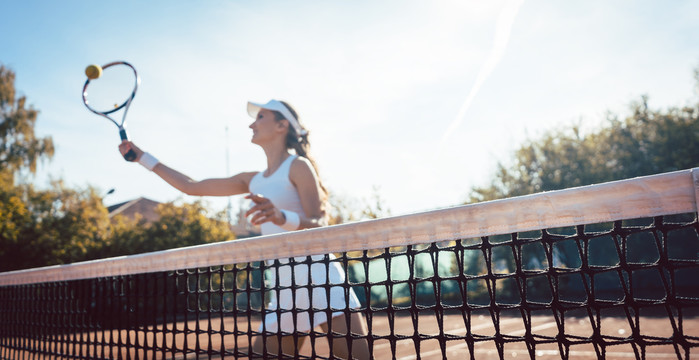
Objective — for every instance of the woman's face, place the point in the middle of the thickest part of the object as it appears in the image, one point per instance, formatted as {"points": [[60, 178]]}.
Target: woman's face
{"points": [[265, 127]]}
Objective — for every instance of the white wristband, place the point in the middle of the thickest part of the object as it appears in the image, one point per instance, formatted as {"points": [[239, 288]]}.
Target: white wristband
{"points": [[148, 161], [292, 220]]}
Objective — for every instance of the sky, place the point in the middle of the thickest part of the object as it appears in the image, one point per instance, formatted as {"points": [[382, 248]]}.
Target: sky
{"points": [[416, 101]]}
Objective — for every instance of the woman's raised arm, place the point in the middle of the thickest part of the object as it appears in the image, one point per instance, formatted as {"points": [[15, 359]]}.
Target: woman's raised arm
{"points": [[237, 184]]}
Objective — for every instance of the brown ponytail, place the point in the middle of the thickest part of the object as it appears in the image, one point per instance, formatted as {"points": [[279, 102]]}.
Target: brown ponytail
{"points": [[302, 147]]}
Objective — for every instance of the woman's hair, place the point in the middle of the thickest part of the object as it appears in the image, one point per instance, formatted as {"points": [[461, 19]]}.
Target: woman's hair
{"points": [[302, 147]]}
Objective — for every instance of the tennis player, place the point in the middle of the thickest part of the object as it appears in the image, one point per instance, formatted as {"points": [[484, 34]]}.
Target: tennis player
{"points": [[287, 196]]}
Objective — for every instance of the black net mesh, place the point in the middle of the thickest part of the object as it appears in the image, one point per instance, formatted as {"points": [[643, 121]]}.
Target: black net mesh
{"points": [[589, 291]]}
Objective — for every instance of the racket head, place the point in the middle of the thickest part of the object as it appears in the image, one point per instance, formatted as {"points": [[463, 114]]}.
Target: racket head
{"points": [[112, 91]]}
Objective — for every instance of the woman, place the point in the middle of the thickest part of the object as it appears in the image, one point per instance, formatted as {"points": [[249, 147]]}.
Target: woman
{"points": [[287, 196]]}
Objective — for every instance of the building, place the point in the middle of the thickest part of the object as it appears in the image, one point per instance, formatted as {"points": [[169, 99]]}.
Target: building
{"points": [[145, 207]]}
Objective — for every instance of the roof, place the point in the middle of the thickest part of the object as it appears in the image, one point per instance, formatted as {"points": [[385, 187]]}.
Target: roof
{"points": [[145, 207], [147, 210]]}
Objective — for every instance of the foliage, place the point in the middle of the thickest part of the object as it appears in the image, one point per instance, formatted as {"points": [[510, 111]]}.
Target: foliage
{"points": [[644, 143], [62, 225], [179, 225], [21, 207], [53, 226], [19, 146], [344, 210]]}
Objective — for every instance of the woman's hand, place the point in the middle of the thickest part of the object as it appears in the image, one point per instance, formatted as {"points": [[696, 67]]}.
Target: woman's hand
{"points": [[126, 145], [264, 211]]}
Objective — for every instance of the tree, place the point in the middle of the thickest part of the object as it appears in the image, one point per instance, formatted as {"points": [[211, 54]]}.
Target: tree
{"points": [[19, 146], [58, 225], [179, 225], [19, 149], [644, 143], [344, 210]]}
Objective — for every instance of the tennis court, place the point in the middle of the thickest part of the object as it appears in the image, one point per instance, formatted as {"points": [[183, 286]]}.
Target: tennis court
{"points": [[617, 326], [604, 271]]}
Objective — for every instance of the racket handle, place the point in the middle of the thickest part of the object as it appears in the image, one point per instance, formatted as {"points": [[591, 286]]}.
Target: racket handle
{"points": [[122, 134], [130, 155]]}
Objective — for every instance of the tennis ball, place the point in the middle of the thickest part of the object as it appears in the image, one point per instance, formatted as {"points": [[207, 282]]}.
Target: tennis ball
{"points": [[93, 71]]}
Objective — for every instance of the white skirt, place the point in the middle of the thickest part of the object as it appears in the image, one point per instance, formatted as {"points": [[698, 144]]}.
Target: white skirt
{"points": [[284, 299]]}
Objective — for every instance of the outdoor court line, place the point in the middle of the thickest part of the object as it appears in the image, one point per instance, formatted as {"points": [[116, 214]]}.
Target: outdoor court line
{"points": [[536, 328]]}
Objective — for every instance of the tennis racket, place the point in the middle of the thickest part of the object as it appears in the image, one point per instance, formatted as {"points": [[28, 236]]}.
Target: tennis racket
{"points": [[116, 81]]}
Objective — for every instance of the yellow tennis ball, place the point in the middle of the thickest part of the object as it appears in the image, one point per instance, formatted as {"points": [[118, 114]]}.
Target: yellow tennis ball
{"points": [[93, 71]]}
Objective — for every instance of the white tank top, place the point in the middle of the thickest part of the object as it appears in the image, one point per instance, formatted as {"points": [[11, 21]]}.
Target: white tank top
{"points": [[278, 189]]}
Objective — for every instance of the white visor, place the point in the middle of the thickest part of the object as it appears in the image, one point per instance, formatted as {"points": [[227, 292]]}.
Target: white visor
{"points": [[275, 105]]}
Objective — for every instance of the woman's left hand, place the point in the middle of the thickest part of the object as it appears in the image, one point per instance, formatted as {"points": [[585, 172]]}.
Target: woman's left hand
{"points": [[264, 211]]}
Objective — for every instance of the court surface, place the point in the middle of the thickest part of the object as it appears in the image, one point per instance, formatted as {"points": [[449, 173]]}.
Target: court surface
{"points": [[616, 326]]}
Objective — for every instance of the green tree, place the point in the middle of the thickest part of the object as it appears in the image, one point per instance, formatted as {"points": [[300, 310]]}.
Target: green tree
{"points": [[69, 224], [344, 210], [53, 226], [179, 225], [20, 149], [644, 143], [19, 146], [14, 218]]}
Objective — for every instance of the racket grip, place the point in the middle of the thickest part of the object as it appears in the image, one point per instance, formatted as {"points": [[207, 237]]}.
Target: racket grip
{"points": [[130, 155]]}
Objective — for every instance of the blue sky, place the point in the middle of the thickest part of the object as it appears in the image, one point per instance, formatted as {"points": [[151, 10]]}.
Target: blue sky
{"points": [[378, 83]]}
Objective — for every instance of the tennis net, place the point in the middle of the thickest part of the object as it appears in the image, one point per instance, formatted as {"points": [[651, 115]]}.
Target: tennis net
{"points": [[602, 271]]}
